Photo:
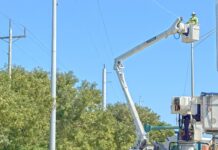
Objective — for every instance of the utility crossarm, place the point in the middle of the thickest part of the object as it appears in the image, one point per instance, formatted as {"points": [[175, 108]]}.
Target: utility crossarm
{"points": [[142, 139]]}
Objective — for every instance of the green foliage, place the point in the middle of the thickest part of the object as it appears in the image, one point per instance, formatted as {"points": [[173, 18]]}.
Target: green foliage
{"points": [[24, 109], [25, 106], [125, 133]]}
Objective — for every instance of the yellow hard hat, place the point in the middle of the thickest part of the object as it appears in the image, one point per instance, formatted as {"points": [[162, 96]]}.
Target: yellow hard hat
{"points": [[193, 13]]}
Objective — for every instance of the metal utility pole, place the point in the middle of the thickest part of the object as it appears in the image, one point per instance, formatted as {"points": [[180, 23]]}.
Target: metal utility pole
{"points": [[217, 33], [52, 143], [192, 70], [104, 86], [10, 42]]}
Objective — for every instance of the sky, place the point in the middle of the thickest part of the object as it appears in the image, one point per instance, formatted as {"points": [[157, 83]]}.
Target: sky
{"points": [[92, 33]]}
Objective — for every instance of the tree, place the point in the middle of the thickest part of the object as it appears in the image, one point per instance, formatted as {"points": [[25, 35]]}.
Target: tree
{"points": [[125, 133], [84, 125], [25, 107]]}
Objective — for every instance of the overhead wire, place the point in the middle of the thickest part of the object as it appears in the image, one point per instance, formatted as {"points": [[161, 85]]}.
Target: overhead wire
{"points": [[108, 43], [33, 59], [165, 9], [202, 39], [42, 47], [95, 48], [90, 38], [168, 11], [105, 28], [101, 60], [14, 22], [4, 15], [205, 36], [92, 41], [5, 51]]}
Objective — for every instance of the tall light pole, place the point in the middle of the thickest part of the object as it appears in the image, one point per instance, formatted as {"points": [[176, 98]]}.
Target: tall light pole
{"points": [[192, 70], [217, 33], [52, 143]]}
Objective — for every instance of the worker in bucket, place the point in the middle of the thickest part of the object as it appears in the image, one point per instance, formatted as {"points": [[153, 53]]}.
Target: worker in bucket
{"points": [[194, 19]]}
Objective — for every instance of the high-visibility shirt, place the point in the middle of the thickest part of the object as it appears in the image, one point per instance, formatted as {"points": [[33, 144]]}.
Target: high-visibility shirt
{"points": [[193, 20]]}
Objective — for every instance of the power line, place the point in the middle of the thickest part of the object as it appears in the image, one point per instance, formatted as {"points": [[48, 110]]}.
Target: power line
{"points": [[105, 29], [37, 41], [205, 36], [168, 11], [108, 40], [33, 59], [202, 39], [3, 48], [4, 15], [42, 47], [95, 48]]}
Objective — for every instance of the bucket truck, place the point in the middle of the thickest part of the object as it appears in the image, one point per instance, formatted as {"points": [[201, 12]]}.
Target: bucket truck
{"points": [[197, 115], [189, 33]]}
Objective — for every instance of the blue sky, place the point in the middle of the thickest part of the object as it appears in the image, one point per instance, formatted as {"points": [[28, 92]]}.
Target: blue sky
{"points": [[92, 33]]}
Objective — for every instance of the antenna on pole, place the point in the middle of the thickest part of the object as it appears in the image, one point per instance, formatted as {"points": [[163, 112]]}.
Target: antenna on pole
{"points": [[52, 143], [104, 87]]}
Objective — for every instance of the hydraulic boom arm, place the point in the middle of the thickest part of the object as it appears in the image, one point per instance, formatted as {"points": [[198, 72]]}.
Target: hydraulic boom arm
{"points": [[141, 141], [177, 27]]}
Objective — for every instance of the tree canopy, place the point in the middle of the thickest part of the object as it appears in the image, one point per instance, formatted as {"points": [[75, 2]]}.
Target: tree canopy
{"points": [[25, 106]]}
